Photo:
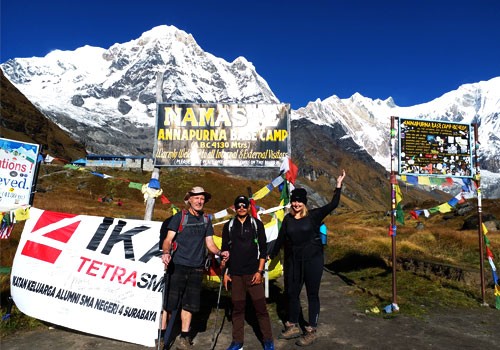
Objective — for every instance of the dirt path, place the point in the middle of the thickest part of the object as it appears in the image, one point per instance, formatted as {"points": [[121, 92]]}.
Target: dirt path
{"points": [[342, 326]]}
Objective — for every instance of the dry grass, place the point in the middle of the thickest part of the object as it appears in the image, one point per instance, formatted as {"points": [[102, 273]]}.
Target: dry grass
{"points": [[359, 246]]}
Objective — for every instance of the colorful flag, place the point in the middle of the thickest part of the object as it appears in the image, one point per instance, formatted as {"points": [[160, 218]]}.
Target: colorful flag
{"points": [[289, 169], [400, 216], [164, 200]]}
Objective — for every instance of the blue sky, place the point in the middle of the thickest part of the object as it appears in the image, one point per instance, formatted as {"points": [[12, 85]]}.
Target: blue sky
{"points": [[412, 50]]}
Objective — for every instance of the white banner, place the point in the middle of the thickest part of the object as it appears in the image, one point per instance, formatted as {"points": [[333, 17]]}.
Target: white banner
{"points": [[93, 274]]}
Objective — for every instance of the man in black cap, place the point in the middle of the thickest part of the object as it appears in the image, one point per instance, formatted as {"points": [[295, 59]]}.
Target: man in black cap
{"points": [[245, 238], [192, 231]]}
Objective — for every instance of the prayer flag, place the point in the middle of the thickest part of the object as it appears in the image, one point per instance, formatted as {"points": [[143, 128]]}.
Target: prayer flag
{"points": [[135, 185], [444, 208], [424, 180], [221, 214], [485, 230], [49, 158], [22, 214], [400, 216], [278, 181], [291, 174], [264, 191], [392, 230], [413, 180], [164, 200], [399, 195]]}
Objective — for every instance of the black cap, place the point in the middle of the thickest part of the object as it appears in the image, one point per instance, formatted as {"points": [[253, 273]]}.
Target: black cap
{"points": [[241, 199], [299, 195]]}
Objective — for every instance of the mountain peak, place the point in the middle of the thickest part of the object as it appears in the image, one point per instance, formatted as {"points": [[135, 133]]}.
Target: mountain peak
{"points": [[166, 32], [103, 94]]}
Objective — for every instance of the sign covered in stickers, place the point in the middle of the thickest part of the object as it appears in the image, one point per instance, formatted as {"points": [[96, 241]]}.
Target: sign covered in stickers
{"points": [[435, 148]]}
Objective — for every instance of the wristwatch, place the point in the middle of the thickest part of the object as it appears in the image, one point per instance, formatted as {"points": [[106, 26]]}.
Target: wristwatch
{"points": [[261, 272]]}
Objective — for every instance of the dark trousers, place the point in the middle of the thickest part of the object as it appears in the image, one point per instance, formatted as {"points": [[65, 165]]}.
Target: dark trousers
{"points": [[240, 286], [299, 273]]}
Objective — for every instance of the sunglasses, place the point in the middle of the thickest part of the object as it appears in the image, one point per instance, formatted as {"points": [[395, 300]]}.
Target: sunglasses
{"points": [[241, 205]]}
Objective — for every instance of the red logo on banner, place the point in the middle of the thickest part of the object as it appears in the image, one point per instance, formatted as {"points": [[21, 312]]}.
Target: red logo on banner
{"points": [[61, 233]]}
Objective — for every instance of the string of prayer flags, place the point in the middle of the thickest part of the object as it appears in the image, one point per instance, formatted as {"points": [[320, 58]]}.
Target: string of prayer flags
{"points": [[427, 180], [442, 208], [490, 256]]}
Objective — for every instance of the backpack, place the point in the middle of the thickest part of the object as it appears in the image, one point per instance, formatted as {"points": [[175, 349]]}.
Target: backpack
{"points": [[255, 231], [323, 233], [184, 220]]}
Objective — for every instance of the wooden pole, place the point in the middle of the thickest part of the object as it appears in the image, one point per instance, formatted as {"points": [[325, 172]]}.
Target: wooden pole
{"points": [[393, 181], [479, 215]]}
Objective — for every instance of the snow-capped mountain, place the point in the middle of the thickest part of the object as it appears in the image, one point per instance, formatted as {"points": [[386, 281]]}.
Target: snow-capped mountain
{"points": [[106, 98], [367, 121]]}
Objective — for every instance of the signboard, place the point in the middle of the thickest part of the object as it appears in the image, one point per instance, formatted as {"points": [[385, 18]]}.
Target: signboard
{"points": [[435, 148], [97, 275], [222, 135], [18, 164]]}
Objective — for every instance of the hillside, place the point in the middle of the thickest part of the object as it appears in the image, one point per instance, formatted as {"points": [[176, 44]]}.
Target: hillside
{"points": [[21, 121], [437, 259]]}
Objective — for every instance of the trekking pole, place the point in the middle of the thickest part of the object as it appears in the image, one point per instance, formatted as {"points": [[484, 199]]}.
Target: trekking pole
{"points": [[170, 326], [212, 346], [171, 320], [163, 298]]}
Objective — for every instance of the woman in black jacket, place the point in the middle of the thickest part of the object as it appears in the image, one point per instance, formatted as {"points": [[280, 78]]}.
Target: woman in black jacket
{"points": [[303, 260]]}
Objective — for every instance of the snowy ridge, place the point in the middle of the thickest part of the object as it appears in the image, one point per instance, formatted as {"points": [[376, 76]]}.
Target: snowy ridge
{"points": [[106, 98], [367, 121]]}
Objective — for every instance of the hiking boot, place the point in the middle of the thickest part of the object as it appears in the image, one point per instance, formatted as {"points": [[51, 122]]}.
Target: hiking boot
{"points": [[307, 338], [291, 331], [184, 343], [268, 345], [235, 346]]}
